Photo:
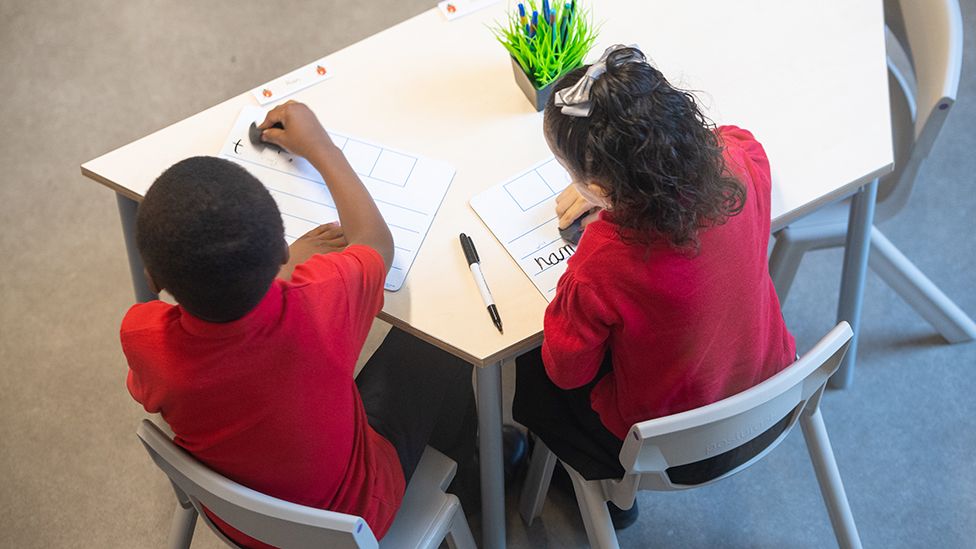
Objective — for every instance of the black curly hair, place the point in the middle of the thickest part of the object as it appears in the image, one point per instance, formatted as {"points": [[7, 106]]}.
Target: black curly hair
{"points": [[211, 234], [652, 151]]}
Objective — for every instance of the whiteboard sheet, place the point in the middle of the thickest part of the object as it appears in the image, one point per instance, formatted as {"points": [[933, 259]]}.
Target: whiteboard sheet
{"points": [[408, 189], [521, 213]]}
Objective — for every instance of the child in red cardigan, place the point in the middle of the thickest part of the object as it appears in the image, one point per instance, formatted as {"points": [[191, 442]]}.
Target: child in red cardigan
{"points": [[667, 304]]}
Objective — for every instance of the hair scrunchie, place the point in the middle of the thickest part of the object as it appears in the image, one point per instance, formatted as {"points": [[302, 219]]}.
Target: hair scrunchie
{"points": [[575, 100]]}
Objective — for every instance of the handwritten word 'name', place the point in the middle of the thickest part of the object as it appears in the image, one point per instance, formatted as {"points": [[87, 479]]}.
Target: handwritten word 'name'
{"points": [[556, 257]]}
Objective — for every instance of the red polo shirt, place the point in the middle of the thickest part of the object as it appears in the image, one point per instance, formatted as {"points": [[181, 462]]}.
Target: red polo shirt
{"points": [[683, 331], [269, 400]]}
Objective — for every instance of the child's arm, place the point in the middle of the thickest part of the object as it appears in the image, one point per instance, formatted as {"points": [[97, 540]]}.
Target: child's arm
{"points": [[577, 332], [303, 135], [320, 240]]}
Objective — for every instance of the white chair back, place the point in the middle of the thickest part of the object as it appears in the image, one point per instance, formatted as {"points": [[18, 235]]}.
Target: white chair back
{"points": [[710, 443], [271, 520], [924, 81]]}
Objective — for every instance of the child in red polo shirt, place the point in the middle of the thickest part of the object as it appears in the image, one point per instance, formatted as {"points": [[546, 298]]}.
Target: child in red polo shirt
{"points": [[253, 370], [667, 304]]}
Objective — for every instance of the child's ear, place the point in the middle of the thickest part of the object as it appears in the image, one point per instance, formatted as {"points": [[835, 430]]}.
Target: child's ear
{"points": [[153, 285], [286, 253], [596, 191]]}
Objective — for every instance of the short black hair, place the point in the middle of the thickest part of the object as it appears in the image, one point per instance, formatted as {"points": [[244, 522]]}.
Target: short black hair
{"points": [[211, 234], [651, 149]]}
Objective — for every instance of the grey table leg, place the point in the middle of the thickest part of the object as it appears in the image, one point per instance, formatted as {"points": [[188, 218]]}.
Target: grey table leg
{"points": [[856, 252], [127, 214], [492, 470]]}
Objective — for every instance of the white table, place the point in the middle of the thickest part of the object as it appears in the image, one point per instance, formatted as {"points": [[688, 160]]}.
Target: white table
{"points": [[807, 78]]}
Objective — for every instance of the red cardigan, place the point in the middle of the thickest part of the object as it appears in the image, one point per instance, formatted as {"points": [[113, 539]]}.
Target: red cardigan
{"points": [[684, 331]]}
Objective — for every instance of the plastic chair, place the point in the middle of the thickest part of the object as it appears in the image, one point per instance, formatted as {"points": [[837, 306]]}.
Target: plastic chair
{"points": [[426, 517], [920, 101], [710, 443]]}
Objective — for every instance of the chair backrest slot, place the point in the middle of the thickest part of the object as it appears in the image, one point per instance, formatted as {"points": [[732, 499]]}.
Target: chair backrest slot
{"points": [[726, 463]]}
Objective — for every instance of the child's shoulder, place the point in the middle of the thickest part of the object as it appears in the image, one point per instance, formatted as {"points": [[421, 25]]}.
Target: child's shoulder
{"points": [[355, 262], [741, 140], [745, 158], [145, 325], [355, 276], [731, 134], [152, 315]]}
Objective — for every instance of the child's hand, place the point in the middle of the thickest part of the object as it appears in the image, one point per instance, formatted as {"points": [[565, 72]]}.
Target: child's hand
{"points": [[320, 240], [302, 133], [570, 205]]}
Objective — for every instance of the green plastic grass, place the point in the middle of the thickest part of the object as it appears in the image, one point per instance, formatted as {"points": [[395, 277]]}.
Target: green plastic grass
{"points": [[552, 49]]}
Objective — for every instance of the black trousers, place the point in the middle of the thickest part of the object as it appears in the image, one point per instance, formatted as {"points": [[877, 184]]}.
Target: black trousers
{"points": [[570, 428], [417, 395], [564, 420]]}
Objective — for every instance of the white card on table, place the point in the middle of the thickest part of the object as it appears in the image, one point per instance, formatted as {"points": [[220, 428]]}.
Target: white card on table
{"points": [[452, 9], [296, 80], [521, 213], [408, 189]]}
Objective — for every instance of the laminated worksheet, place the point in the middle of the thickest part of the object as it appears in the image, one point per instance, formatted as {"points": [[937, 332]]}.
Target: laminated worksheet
{"points": [[408, 189], [521, 213]]}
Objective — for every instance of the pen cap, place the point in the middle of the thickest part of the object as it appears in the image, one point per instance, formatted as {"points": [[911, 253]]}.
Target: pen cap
{"points": [[470, 253]]}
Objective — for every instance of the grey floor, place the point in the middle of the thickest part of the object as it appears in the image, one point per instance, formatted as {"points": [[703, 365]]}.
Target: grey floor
{"points": [[80, 79]]}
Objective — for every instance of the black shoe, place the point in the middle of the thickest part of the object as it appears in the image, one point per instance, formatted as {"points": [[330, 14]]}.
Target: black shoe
{"points": [[622, 518], [515, 448]]}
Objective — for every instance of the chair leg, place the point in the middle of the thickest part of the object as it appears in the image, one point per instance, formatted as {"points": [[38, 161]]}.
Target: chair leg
{"points": [[784, 262], [459, 536], [181, 529], [918, 291], [593, 508], [536, 484], [831, 487]]}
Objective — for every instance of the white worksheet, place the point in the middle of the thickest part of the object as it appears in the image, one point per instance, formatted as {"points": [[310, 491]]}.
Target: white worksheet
{"points": [[521, 213], [408, 189]]}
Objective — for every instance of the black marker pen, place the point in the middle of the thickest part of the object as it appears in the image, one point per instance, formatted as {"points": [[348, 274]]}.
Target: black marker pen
{"points": [[471, 254]]}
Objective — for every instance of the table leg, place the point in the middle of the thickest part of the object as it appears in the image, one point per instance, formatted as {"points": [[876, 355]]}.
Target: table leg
{"points": [[492, 470], [127, 214], [856, 251]]}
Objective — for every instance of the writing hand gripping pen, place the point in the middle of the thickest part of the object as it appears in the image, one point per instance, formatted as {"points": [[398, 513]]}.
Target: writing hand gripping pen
{"points": [[575, 212]]}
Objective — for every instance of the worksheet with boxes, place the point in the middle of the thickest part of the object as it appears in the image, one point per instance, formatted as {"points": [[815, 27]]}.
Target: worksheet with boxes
{"points": [[521, 213], [408, 189]]}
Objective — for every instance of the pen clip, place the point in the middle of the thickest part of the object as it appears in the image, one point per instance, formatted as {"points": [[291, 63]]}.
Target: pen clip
{"points": [[470, 253]]}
